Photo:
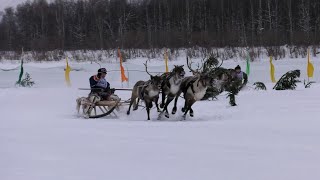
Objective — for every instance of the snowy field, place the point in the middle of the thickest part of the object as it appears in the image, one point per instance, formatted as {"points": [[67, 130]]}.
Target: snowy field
{"points": [[270, 135]]}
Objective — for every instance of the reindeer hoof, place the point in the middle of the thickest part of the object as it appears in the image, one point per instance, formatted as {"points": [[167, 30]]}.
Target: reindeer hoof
{"points": [[136, 108], [128, 112], [159, 110], [174, 110], [161, 105], [182, 109], [166, 115], [191, 114]]}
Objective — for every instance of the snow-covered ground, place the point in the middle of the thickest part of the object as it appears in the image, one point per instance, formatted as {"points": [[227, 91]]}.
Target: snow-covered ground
{"points": [[269, 135]]}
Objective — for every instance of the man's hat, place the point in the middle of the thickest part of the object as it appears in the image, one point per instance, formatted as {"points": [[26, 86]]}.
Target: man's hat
{"points": [[237, 67], [102, 70]]}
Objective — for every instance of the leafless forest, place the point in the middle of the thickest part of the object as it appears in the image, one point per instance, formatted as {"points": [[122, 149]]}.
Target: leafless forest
{"points": [[154, 24]]}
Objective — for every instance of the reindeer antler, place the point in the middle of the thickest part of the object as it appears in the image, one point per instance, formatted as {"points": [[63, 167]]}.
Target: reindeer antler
{"points": [[146, 65], [220, 64], [189, 66], [215, 64], [192, 70], [202, 62]]}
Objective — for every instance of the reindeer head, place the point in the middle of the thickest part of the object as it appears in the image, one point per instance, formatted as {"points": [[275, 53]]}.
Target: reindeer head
{"points": [[156, 81], [178, 72], [196, 72], [205, 79]]}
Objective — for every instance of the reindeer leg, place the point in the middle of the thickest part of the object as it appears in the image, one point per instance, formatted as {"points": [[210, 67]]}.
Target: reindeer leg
{"points": [[163, 99], [162, 105], [131, 102], [190, 107], [191, 112], [169, 99], [149, 106], [185, 112], [156, 102], [174, 109], [185, 105], [136, 104], [190, 103], [187, 108]]}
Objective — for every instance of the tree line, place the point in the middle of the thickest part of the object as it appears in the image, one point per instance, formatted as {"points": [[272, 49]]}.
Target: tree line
{"points": [[146, 24]]}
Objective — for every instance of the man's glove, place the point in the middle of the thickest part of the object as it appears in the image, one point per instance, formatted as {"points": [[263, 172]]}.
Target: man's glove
{"points": [[110, 90]]}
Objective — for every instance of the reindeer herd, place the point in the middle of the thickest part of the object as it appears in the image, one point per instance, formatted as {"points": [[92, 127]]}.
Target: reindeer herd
{"points": [[171, 85]]}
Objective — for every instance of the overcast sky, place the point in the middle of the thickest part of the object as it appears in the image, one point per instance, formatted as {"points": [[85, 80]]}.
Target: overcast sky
{"points": [[7, 3]]}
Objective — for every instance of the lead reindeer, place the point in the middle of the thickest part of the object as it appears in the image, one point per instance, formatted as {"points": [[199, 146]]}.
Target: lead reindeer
{"points": [[148, 91], [170, 87], [194, 88]]}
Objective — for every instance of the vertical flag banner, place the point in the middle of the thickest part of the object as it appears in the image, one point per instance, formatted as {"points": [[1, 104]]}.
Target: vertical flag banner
{"points": [[67, 73], [248, 65], [123, 75], [21, 73], [166, 60], [273, 79], [310, 68]]}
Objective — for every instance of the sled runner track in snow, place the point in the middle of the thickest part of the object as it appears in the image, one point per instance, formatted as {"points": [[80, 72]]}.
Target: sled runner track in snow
{"points": [[13, 69]]}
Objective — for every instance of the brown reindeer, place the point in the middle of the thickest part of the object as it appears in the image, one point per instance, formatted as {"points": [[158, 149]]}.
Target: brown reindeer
{"points": [[218, 79], [148, 91], [194, 88]]}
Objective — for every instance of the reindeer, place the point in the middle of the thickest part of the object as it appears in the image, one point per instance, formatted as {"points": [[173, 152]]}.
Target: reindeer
{"points": [[194, 87], [147, 91], [170, 87]]}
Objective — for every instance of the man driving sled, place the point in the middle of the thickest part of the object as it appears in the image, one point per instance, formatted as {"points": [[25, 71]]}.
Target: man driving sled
{"points": [[100, 86], [100, 91]]}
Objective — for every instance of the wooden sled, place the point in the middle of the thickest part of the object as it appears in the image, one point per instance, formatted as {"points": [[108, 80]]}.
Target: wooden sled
{"points": [[101, 108]]}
